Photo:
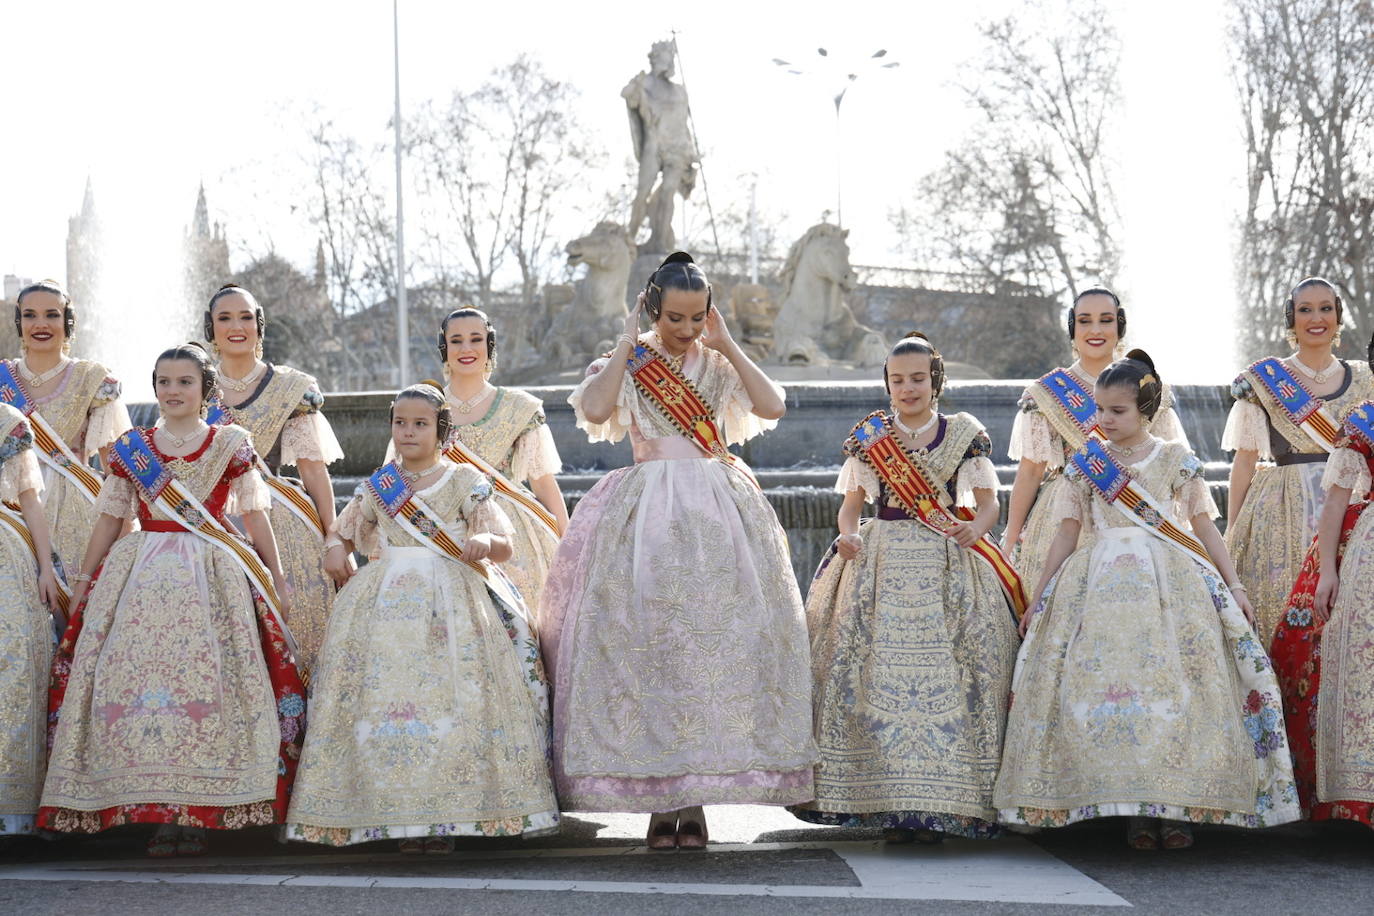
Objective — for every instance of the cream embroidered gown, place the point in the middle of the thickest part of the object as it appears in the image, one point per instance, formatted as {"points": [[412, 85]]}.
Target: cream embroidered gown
{"points": [[1034, 437], [25, 641], [1140, 688], [283, 415], [1270, 534], [428, 714], [672, 623], [86, 412], [912, 650]]}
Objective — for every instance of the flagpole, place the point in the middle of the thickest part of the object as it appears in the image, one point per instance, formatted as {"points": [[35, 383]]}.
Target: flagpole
{"points": [[402, 310]]}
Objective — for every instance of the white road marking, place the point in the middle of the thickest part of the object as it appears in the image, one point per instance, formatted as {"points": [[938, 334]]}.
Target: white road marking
{"points": [[1010, 870]]}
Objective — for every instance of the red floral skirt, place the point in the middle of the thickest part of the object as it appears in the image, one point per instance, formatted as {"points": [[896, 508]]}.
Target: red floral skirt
{"points": [[1297, 655], [290, 695]]}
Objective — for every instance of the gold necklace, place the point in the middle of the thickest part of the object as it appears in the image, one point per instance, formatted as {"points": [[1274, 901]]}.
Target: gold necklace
{"points": [[39, 379], [241, 384], [674, 361]]}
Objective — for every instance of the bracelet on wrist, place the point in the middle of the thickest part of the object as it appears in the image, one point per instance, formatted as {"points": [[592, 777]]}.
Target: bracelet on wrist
{"points": [[81, 577], [1237, 588]]}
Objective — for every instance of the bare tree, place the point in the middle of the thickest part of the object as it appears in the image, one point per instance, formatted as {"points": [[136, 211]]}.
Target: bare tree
{"points": [[1025, 202], [1303, 71]]}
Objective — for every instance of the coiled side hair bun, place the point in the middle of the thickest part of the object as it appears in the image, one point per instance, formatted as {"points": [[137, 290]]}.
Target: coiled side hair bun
{"points": [[1138, 371]]}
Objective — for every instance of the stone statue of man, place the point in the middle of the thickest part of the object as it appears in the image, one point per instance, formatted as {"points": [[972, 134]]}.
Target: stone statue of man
{"points": [[663, 145]]}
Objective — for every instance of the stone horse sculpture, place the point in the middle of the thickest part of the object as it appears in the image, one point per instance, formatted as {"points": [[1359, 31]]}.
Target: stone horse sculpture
{"points": [[596, 314], [815, 327]]}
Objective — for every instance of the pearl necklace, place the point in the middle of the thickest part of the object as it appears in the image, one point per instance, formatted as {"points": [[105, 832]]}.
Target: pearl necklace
{"points": [[179, 442], [471, 403], [1316, 375], [241, 384], [915, 433], [1126, 451], [39, 379], [1078, 370], [412, 476]]}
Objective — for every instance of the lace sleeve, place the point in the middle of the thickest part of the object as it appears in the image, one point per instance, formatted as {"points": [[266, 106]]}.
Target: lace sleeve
{"points": [[738, 422], [535, 455], [248, 493], [117, 497], [974, 474], [1347, 468], [358, 523], [1032, 439], [1192, 495], [1247, 428], [19, 471], [1072, 501], [855, 475], [309, 436], [482, 513], [104, 424], [622, 415]]}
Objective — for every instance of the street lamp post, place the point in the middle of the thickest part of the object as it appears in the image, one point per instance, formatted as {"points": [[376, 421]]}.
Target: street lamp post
{"points": [[848, 81], [402, 308]]}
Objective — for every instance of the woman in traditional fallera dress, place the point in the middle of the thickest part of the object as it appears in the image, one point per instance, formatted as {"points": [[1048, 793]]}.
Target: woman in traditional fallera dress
{"points": [[912, 638], [1287, 411], [28, 595], [76, 401], [1321, 646], [429, 714], [1141, 689], [174, 697], [503, 429], [280, 408], [671, 619], [1053, 421]]}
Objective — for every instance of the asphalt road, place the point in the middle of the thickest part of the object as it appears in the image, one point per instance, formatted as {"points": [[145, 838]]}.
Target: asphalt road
{"points": [[761, 860]]}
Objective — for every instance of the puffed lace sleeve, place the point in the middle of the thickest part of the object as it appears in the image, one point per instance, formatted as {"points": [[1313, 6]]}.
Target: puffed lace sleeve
{"points": [[308, 434], [976, 471], [1192, 495], [107, 418], [856, 475], [738, 422], [1073, 500], [1032, 437], [358, 523], [482, 513], [19, 471], [117, 498], [535, 454], [1347, 468], [248, 492], [622, 415], [1246, 426]]}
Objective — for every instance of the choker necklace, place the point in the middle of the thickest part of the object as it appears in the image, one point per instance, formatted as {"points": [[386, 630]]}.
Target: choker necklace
{"points": [[38, 379], [1127, 451], [241, 384], [471, 403], [914, 433], [412, 476], [1315, 375], [179, 442]]}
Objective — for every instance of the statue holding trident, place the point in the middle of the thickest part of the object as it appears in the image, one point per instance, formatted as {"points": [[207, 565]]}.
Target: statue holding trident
{"points": [[662, 137]]}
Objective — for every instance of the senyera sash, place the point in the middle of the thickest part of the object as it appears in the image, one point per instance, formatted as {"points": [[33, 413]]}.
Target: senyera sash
{"points": [[13, 516], [911, 484], [159, 487], [678, 399], [459, 453], [51, 449], [1285, 393], [1074, 413], [1111, 480], [283, 491], [1360, 424], [403, 505]]}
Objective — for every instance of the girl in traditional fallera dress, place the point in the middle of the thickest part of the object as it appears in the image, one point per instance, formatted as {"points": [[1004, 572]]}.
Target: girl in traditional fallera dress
{"points": [[429, 708], [671, 618], [502, 431], [73, 407], [29, 593], [280, 408], [1287, 411], [913, 639], [174, 698], [1321, 646], [1056, 415], [1141, 689]]}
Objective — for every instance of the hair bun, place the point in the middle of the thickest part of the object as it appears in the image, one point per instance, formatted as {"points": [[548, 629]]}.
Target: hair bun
{"points": [[920, 334], [677, 257], [431, 382], [1142, 357], [197, 345], [228, 286]]}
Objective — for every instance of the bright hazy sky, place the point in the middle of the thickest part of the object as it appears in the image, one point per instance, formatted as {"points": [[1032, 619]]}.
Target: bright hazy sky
{"points": [[149, 99]]}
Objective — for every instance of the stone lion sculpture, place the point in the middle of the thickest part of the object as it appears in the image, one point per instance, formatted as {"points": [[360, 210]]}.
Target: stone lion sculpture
{"points": [[581, 329], [815, 326]]}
